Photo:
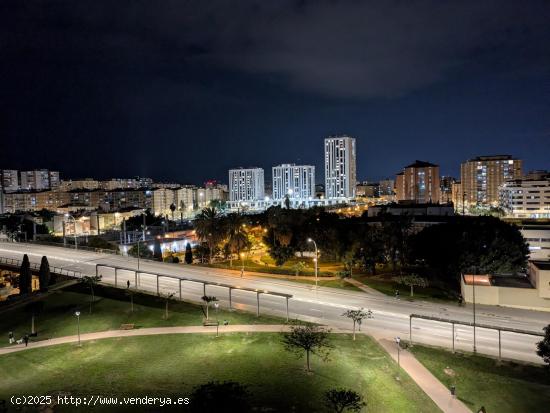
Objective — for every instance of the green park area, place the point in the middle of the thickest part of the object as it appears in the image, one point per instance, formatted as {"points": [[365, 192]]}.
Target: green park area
{"points": [[110, 310], [172, 365], [504, 387]]}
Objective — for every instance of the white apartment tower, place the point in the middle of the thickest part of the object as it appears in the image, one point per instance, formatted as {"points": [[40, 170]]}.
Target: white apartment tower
{"points": [[246, 184], [294, 181], [340, 168]]}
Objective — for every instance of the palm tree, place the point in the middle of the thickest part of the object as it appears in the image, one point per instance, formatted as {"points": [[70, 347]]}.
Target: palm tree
{"points": [[237, 240], [209, 229], [173, 209]]}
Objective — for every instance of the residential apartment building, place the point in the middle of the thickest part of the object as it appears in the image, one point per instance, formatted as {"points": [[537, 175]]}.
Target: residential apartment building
{"points": [[295, 181], [526, 198], [457, 196], [482, 176], [163, 198], [39, 180], [387, 187], [87, 183], [340, 167], [446, 189], [29, 201], [419, 182], [9, 180], [246, 185]]}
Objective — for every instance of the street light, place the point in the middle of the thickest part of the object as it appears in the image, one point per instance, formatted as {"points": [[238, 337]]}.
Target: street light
{"points": [[397, 341], [67, 215], [315, 260], [77, 314]]}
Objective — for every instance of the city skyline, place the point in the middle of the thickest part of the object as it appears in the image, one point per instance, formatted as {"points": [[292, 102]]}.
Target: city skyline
{"points": [[163, 83]]}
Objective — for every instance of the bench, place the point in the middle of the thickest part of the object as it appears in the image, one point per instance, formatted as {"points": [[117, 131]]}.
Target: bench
{"points": [[209, 323], [127, 326]]}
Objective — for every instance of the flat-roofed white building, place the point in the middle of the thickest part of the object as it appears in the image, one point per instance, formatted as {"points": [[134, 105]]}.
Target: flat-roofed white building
{"points": [[295, 181], [526, 198], [246, 185], [340, 167]]}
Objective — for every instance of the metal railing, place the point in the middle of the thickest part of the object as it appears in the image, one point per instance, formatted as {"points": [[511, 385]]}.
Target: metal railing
{"points": [[36, 267]]}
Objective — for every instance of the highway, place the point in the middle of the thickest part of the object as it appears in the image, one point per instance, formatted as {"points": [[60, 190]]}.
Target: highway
{"points": [[324, 305]]}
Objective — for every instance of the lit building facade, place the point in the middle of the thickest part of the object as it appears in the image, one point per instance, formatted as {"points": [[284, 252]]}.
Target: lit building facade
{"points": [[526, 198], [246, 185], [481, 178], [295, 181], [419, 182], [340, 167], [9, 180], [39, 180]]}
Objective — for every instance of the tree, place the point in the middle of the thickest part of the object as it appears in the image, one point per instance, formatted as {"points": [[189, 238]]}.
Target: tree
{"points": [[357, 316], [144, 251], [166, 298], [237, 239], [172, 209], [208, 299], [411, 281], [44, 274], [310, 339], [453, 248], [208, 229], [340, 400], [299, 267], [25, 276], [543, 346], [34, 308], [280, 253], [215, 396], [188, 254], [91, 281]]}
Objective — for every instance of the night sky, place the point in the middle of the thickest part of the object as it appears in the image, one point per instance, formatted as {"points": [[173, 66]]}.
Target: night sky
{"points": [[184, 90]]}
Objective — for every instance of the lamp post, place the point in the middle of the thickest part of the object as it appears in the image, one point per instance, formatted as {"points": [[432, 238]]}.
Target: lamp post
{"points": [[216, 306], [474, 306], [67, 215], [315, 260], [77, 314], [397, 341]]}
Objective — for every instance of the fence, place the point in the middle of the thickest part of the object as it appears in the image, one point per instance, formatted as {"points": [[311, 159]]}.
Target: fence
{"points": [[36, 267]]}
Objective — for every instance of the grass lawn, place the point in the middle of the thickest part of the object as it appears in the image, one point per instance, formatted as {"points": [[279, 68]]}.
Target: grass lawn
{"points": [[171, 365], [111, 309], [482, 381], [385, 284]]}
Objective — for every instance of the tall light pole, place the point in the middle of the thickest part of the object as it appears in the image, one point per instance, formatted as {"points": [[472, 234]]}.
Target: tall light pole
{"points": [[67, 215], [77, 314], [315, 260]]}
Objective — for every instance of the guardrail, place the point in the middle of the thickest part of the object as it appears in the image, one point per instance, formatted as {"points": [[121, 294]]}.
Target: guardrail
{"points": [[61, 245], [137, 276], [35, 266], [474, 326]]}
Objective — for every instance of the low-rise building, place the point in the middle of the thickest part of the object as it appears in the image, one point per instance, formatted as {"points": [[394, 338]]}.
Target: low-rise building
{"points": [[526, 198]]}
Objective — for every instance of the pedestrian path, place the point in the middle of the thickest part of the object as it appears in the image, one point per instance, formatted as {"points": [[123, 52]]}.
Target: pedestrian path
{"points": [[440, 394], [247, 328], [364, 287]]}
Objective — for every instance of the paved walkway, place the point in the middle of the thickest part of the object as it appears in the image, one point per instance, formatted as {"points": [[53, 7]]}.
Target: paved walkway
{"points": [[440, 394], [248, 328], [364, 287]]}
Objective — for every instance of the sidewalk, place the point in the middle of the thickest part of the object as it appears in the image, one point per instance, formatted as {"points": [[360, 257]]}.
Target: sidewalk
{"points": [[425, 380], [364, 287], [253, 328]]}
